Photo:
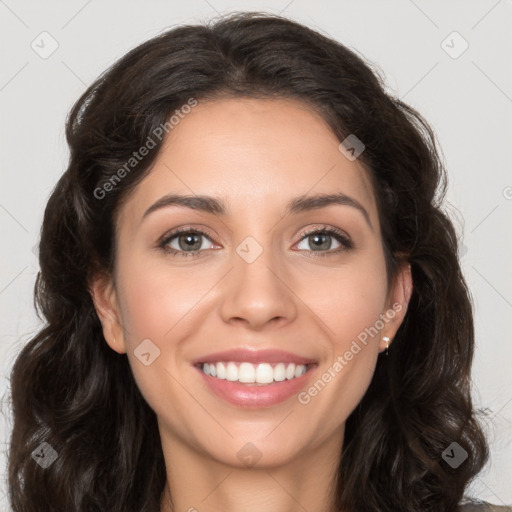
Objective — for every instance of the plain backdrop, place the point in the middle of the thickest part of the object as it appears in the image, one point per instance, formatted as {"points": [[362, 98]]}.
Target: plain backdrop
{"points": [[460, 82]]}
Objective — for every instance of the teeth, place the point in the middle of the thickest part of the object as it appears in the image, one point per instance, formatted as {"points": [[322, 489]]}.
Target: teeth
{"points": [[262, 373], [221, 370]]}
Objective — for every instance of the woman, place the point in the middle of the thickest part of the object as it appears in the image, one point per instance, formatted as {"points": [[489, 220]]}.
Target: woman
{"points": [[253, 298]]}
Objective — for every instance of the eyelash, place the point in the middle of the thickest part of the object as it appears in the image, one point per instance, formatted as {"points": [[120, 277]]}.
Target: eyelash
{"points": [[346, 243]]}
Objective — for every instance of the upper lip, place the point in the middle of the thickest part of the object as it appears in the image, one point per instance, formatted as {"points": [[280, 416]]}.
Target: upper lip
{"points": [[254, 356]]}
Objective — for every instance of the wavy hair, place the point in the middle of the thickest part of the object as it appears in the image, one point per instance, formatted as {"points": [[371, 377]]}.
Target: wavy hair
{"points": [[71, 390]]}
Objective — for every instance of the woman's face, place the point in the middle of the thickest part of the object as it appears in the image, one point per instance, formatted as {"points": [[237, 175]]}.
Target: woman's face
{"points": [[256, 280]]}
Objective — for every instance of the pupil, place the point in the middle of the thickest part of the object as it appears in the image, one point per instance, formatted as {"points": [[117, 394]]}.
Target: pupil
{"points": [[326, 242], [189, 241]]}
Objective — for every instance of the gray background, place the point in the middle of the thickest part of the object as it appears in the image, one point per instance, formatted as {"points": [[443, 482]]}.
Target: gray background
{"points": [[467, 99]]}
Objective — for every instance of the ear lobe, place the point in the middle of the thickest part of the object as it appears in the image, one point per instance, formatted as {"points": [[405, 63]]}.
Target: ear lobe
{"points": [[104, 297]]}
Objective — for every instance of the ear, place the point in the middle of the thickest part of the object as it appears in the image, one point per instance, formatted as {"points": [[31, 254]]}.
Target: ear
{"points": [[396, 304], [104, 296]]}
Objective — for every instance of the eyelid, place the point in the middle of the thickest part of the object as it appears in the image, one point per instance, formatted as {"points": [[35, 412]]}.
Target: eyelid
{"points": [[164, 239], [324, 228]]}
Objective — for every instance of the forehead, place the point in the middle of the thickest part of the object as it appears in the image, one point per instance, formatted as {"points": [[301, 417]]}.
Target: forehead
{"points": [[255, 155]]}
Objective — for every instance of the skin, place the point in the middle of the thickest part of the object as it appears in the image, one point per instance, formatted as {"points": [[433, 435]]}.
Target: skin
{"points": [[256, 155]]}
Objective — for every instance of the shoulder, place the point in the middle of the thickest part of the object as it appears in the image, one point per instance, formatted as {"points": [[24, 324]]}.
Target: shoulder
{"points": [[484, 507]]}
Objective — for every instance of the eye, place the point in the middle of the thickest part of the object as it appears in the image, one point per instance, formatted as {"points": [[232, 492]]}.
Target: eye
{"points": [[185, 242], [321, 241]]}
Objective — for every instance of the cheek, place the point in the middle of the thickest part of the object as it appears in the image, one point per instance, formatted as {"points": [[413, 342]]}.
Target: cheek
{"points": [[351, 311], [158, 305], [350, 302], [154, 300]]}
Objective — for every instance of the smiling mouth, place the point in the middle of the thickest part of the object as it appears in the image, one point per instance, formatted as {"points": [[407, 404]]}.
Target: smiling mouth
{"points": [[260, 374]]}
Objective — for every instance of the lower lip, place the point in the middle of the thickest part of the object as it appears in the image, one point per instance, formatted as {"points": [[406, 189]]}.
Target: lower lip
{"points": [[252, 395]]}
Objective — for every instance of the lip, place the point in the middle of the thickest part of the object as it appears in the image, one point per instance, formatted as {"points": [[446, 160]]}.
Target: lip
{"points": [[252, 395], [254, 356]]}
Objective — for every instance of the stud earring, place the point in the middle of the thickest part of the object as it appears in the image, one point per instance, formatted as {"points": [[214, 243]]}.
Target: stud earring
{"points": [[387, 340]]}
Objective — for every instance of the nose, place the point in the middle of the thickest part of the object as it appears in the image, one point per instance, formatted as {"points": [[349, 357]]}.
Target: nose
{"points": [[258, 293]]}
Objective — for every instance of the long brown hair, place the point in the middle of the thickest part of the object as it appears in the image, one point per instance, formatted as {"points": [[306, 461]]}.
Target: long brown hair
{"points": [[71, 390]]}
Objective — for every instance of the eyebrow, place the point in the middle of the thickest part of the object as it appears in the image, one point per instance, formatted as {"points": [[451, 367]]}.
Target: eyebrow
{"points": [[296, 205]]}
